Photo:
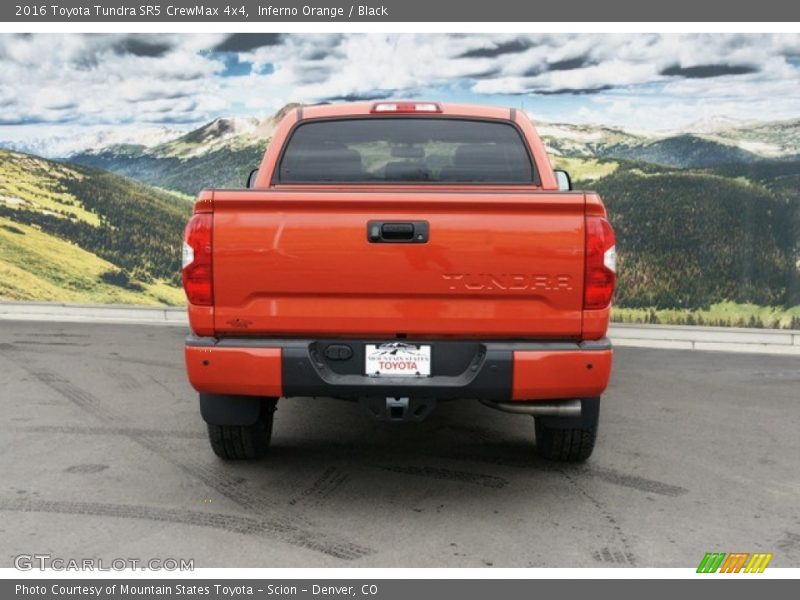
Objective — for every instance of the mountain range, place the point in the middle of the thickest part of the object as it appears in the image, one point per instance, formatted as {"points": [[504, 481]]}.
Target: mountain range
{"points": [[703, 214], [222, 153], [701, 144], [219, 154]]}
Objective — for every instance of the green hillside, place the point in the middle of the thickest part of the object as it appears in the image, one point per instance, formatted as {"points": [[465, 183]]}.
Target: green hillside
{"points": [[72, 233], [220, 168]]}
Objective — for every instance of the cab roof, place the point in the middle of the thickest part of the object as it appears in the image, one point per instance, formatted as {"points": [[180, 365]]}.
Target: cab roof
{"points": [[355, 109]]}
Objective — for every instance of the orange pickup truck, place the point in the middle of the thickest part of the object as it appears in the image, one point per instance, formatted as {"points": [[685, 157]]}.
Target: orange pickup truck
{"points": [[400, 254]]}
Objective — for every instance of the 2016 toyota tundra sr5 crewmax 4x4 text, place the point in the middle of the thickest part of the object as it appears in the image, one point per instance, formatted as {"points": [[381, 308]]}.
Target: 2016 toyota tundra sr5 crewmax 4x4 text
{"points": [[400, 254]]}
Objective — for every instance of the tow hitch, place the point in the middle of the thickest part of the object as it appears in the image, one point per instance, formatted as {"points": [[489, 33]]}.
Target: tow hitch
{"points": [[399, 409]]}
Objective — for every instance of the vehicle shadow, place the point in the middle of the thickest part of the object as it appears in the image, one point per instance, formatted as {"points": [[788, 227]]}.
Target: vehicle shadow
{"points": [[330, 452]]}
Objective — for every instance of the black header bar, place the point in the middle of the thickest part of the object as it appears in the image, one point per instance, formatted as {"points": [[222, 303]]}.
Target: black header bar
{"points": [[393, 11]]}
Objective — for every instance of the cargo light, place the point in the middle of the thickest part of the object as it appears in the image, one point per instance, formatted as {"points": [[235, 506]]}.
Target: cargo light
{"points": [[406, 107], [601, 263], [197, 267]]}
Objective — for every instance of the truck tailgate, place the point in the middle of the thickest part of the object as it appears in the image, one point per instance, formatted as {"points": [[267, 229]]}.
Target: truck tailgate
{"points": [[496, 264]]}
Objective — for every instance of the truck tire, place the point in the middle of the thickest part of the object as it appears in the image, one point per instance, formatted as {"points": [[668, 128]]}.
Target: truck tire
{"points": [[239, 442], [568, 439]]}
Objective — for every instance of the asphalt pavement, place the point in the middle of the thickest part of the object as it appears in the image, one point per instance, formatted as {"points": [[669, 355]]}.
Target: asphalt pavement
{"points": [[103, 454]]}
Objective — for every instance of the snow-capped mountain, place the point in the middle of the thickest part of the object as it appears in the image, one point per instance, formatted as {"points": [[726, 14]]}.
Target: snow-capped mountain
{"points": [[221, 153], [776, 139], [67, 144], [217, 134], [223, 133], [712, 125], [703, 143], [739, 138], [568, 139], [224, 150]]}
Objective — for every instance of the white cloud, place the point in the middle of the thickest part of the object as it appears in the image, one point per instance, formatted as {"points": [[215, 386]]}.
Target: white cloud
{"points": [[636, 79]]}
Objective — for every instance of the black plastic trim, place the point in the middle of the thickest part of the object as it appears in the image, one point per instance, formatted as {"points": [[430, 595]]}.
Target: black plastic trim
{"points": [[419, 232], [488, 375]]}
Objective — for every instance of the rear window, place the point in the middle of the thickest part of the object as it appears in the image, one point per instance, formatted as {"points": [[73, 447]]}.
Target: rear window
{"points": [[406, 150]]}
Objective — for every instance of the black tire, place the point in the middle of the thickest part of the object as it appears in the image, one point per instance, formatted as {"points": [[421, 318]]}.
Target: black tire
{"points": [[240, 442], [557, 440]]}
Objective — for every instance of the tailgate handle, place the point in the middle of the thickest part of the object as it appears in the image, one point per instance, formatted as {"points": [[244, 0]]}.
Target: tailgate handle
{"points": [[398, 232]]}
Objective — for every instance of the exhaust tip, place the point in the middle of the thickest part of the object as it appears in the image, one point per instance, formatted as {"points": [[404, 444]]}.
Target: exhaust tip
{"points": [[564, 408]]}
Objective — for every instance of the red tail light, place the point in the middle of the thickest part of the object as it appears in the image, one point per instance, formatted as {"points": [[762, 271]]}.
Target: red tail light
{"points": [[197, 268], [601, 263], [406, 107]]}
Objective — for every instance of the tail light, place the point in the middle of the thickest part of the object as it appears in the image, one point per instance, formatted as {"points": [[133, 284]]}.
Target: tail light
{"points": [[197, 268], [406, 107], [601, 263]]}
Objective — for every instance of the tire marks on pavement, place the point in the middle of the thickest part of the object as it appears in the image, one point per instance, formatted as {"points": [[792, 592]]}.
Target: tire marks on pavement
{"points": [[634, 482], [323, 487], [112, 431], [85, 469], [226, 521], [490, 481], [500, 455], [292, 529], [626, 551], [613, 557]]}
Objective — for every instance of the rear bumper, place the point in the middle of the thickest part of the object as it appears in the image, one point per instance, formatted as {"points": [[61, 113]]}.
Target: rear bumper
{"points": [[498, 371]]}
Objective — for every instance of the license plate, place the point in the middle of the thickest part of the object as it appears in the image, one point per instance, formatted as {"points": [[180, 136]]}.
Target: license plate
{"points": [[398, 359]]}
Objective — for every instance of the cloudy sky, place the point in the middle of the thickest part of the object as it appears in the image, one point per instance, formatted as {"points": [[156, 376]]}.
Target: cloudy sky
{"points": [[52, 84]]}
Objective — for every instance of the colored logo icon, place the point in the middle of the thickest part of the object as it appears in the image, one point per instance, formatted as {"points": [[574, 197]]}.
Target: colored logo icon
{"points": [[735, 562]]}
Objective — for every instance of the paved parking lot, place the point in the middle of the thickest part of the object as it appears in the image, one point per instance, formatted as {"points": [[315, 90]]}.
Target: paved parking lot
{"points": [[104, 455]]}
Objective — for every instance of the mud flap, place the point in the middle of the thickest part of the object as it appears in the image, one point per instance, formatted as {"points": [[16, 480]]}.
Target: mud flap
{"points": [[218, 409]]}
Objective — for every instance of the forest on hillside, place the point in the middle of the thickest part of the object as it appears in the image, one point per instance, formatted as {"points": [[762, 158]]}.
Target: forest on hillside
{"points": [[687, 239], [135, 227]]}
